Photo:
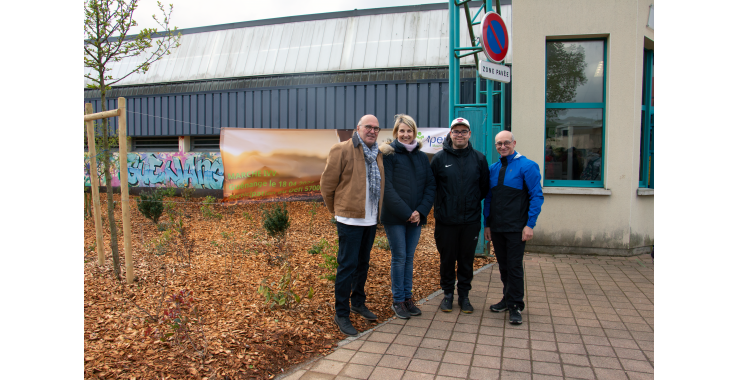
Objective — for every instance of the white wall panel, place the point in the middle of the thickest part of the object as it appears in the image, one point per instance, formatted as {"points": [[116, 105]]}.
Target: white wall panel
{"points": [[237, 68], [399, 21], [409, 39], [384, 42], [348, 47], [337, 45], [304, 48], [422, 39], [312, 61], [282, 51]]}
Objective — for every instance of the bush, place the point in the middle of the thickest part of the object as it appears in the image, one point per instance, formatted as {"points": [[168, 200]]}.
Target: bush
{"points": [[276, 221], [150, 204], [382, 243], [187, 193], [330, 262], [283, 295], [167, 191], [318, 247], [207, 208]]}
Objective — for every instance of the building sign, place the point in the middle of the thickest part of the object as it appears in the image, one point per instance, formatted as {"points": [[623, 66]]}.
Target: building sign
{"points": [[494, 72], [494, 37]]}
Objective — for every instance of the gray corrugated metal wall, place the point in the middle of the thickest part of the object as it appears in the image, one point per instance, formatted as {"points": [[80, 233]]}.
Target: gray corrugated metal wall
{"points": [[296, 107]]}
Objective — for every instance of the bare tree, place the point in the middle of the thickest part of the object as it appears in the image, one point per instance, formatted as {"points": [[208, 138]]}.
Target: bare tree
{"points": [[107, 25]]}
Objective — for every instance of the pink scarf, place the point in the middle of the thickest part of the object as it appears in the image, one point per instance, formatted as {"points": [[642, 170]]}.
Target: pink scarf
{"points": [[409, 147]]}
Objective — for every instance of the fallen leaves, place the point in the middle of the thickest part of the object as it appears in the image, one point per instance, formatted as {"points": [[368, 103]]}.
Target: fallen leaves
{"points": [[223, 268]]}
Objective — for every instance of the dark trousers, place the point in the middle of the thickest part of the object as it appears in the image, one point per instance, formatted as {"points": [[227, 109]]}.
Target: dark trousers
{"points": [[456, 244], [353, 259], [509, 250]]}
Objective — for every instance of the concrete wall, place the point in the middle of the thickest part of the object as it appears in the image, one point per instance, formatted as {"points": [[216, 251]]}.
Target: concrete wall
{"points": [[621, 222]]}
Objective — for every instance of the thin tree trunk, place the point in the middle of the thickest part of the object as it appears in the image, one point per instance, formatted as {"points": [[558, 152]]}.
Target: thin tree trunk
{"points": [[109, 185]]}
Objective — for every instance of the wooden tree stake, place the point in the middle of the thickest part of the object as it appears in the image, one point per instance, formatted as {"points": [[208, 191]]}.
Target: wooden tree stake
{"points": [[94, 184], [123, 162]]}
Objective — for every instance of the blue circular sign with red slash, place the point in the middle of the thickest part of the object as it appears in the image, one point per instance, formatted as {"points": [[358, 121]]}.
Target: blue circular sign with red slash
{"points": [[494, 37]]}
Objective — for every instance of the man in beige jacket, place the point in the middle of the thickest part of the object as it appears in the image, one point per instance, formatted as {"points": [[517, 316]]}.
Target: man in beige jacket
{"points": [[352, 187]]}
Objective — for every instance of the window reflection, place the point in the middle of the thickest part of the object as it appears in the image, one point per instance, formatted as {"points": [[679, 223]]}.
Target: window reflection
{"points": [[573, 148], [575, 72]]}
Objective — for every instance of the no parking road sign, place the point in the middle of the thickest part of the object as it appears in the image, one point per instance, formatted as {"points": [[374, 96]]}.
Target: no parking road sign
{"points": [[494, 37]]}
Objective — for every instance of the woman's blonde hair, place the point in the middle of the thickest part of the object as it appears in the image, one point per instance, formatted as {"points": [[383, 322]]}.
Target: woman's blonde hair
{"points": [[403, 119]]}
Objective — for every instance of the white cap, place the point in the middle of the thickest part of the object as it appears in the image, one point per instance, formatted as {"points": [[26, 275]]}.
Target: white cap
{"points": [[460, 121]]}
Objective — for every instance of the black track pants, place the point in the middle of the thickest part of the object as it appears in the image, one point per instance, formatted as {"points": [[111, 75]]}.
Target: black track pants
{"points": [[509, 249], [456, 244]]}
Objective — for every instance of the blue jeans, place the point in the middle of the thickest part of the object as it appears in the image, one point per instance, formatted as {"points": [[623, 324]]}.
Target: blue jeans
{"points": [[353, 259], [403, 239]]}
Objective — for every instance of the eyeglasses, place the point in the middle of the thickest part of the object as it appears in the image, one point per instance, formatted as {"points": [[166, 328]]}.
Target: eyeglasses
{"points": [[503, 143], [371, 128], [460, 133]]}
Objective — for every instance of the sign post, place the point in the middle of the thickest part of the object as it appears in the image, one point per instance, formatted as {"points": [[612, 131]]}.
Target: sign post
{"points": [[494, 37]]}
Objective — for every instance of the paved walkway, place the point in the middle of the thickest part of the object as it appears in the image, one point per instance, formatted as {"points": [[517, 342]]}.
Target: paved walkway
{"points": [[586, 317]]}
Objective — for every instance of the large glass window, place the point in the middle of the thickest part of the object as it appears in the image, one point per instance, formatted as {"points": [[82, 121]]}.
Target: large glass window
{"points": [[574, 119], [647, 155]]}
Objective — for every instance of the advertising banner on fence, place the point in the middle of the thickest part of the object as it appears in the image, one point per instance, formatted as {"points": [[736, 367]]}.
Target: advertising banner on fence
{"points": [[274, 163], [287, 163]]}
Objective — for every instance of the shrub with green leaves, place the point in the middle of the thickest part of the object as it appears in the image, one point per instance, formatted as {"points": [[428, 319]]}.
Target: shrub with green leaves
{"points": [[207, 208], [167, 191], [318, 247], [382, 243], [330, 261], [276, 220], [150, 204], [187, 193], [283, 295]]}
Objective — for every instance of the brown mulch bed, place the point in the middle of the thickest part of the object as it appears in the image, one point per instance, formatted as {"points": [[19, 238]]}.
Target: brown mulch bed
{"points": [[234, 334]]}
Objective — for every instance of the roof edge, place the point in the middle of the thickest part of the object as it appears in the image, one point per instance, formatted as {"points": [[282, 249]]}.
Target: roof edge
{"points": [[321, 16]]}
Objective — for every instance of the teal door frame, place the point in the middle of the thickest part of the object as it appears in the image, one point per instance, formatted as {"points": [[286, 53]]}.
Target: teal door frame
{"points": [[480, 115]]}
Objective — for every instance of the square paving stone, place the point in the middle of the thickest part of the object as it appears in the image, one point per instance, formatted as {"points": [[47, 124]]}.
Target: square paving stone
{"points": [[393, 361], [610, 374], [389, 328], [416, 322], [646, 345], [366, 358], [439, 344], [464, 337], [453, 370], [567, 329], [594, 350], [595, 340], [543, 327], [540, 335], [382, 373], [573, 372], [511, 375], [374, 347], [479, 373], [618, 334], [354, 345], [516, 332], [429, 354], [408, 340], [485, 330], [544, 345], [400, 350], [438, 334], [639, 375], [547, 368], [466, 328], [341, 355], [457, 358], [461, 347], [486, 361], [578, 360], [545, 356], [516, 342], [310, 375], [572, 348], [413, 331], [605, 362], [567, 338], [636, 365], [409, 375], [624, 343], [516, 365], [491, 340], [516, 353], [327, 366], [381, 337], [421, 365], [440, 325], [487, 349], [357, 371], [626, 353]]}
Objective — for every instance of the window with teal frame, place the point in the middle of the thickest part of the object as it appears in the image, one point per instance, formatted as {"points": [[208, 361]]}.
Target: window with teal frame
{"points": [[574, 113], [647, 152]]}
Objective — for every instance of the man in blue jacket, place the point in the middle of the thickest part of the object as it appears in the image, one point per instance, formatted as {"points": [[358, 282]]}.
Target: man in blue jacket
{"points": [[510, 210]]}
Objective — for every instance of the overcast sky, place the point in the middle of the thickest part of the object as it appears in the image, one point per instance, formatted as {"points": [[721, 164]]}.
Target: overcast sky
{"points": [[194, 13]]}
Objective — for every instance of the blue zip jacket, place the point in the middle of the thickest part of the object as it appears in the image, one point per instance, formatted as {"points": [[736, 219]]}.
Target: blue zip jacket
{"points": [[515, 197]]}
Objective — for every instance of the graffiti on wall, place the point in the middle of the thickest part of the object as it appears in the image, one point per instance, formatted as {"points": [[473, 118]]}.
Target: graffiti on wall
{"points": [[201, 170]]}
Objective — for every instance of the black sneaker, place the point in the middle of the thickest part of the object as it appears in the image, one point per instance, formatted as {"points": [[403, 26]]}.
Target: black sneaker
{"points": [[446, 304], [400, 309], [515, 316], [345, 326], [465, 305], [364, 312], [499, 307], [412, 309]]}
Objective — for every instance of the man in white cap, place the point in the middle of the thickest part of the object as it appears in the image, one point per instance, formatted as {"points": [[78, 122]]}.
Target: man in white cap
{"points": [[461, 174]]}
